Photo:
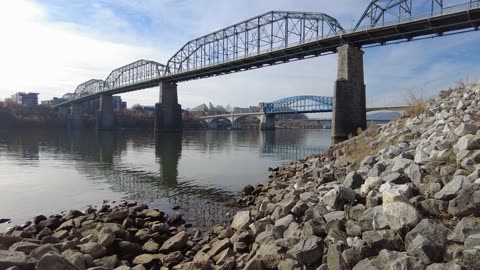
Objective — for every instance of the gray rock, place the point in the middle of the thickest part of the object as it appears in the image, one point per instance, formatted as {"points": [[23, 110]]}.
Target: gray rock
{"points": [[353, 228], [335, 215], [467, 142], [15, 258], [93, 249], [283, 223], [465, 128], [353, 180], [334, 256], [299, 209], [425, 249], [241, 220], [309, 250], [270, 255], [431, 229], [338, 197], [76, 258], [452, 265], [401, 164], [290, 264], [401, 215], [54, 261], [396, 178], [7, 240], [25, 247], [451, 190], [365, 264], [373, 219], [42, 250], [473, 241], [397, 260], [107, 262], [219, 246], [464, 228], [371, 183], [434, 207], [383, 239], [175, 243], [106, 237], [315, 226], [467, 202], [469, 258]]}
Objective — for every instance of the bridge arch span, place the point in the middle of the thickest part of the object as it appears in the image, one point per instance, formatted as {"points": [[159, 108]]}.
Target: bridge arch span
{"points": [[303, 104]]}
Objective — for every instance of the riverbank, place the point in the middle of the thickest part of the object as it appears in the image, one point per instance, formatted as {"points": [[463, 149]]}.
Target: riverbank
{"points": [[405, 195]]}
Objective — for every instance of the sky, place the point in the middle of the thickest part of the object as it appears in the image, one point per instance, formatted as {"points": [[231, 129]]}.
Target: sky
{"points": [[51, 46]]}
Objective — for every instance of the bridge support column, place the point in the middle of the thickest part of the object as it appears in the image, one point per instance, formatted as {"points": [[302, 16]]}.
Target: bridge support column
{"points": [[349, 109], [168, 113], [62, 112], [76, 120], [236, 123], [105, 116], [267, 122]]}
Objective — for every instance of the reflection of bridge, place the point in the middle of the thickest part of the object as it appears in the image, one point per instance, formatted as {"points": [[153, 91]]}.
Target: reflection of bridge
{"points": [[280, 37], [290, 105]]}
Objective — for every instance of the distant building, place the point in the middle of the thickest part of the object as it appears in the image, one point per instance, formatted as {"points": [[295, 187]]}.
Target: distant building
{"points": [[118, 104], [53, 102], [250, 109], [26, 99]]}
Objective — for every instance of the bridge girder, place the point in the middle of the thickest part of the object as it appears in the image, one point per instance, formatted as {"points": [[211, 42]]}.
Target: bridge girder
{"points": [[298, 104], [267, 32]]}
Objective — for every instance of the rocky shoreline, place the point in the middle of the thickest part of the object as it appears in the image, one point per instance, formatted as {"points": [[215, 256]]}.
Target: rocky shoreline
{"points": [[402, 196]]}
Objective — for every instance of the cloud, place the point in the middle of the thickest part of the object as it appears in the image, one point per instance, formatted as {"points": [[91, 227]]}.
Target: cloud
{"points": [[51, 47]]}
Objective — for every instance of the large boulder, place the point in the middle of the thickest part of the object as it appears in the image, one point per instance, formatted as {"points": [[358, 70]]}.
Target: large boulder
{"points": [[241, 220], [464, 228], [177, 242], [54, 261], [401, 215], [451, 190], [467, 201], [431, 229], [15, 258], [308, 250]]}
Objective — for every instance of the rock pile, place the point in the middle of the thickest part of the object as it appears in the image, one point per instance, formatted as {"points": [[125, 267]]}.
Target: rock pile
{"points": [[402, 196]]}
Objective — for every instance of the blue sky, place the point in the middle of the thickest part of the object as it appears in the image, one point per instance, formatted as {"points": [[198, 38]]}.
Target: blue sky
{"points": [[51, 46]]}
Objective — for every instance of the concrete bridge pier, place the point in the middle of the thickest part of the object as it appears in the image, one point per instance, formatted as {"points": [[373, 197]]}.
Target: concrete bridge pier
{"points": [[236, 124], [105, 116], [267, 122], [349, 109], [168, 113], [62, 112], [76, 120]]}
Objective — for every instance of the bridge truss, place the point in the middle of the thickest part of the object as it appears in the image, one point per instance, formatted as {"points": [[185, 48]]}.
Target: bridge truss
{"points": [[298, 104], [262, 34], [282, 36]]}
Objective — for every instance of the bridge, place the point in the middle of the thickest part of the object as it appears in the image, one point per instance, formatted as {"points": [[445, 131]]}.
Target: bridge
{"points": [[290, 105], [278, 37]]}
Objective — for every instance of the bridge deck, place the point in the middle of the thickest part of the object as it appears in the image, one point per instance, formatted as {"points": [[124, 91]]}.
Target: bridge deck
{"points": [[450, 21]]}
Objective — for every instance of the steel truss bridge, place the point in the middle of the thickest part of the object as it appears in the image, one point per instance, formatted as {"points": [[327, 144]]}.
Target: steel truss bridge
{"points": [[293, 105], [279, 37]]}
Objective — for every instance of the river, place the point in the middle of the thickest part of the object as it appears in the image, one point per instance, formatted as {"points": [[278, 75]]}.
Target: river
{"points": [[50, 171]]}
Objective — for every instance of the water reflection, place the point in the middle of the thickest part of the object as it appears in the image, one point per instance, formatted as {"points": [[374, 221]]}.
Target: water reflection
{"points": [[168, 150], [198, 171]]}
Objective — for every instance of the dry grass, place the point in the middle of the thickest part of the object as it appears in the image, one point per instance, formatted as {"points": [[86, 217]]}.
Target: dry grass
{"points": [[416, 105], [363, 145]]}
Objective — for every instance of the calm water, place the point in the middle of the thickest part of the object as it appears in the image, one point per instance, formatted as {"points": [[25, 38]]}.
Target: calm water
{"points": [[49, 171]]}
